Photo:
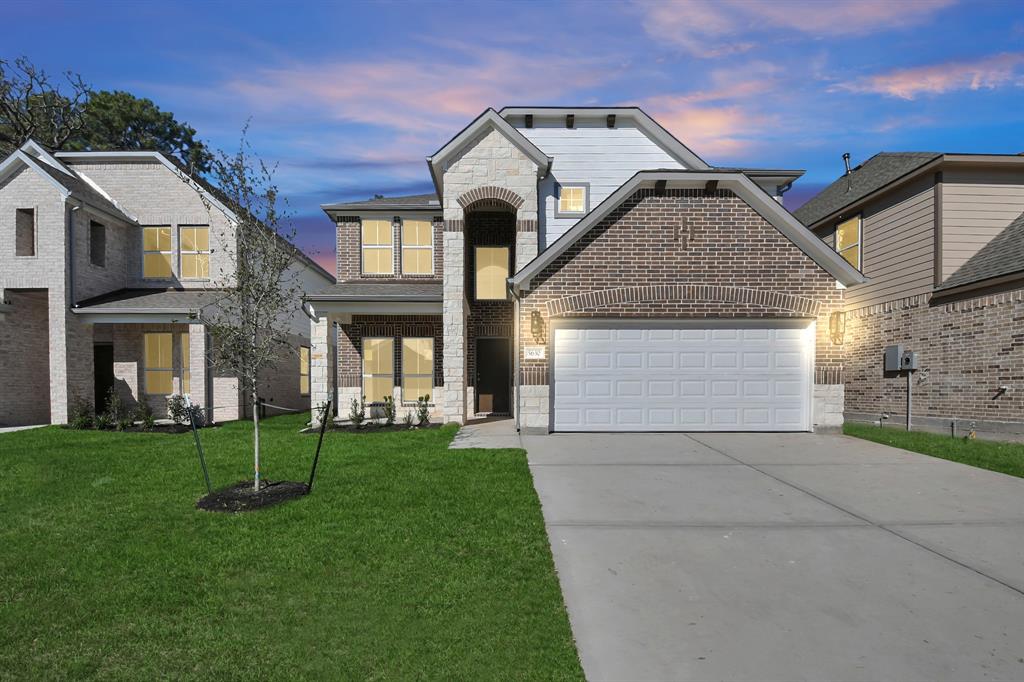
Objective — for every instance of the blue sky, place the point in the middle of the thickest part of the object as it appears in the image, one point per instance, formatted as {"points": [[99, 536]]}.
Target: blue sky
{"points": [[349, 98]]}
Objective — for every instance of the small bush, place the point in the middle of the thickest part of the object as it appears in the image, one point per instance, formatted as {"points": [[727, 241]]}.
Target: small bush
{"points": [[423, 410], [103, 421], [81, 416], [408, 420], [177, 409], [124, 422], [116, 409], [357, 412], [144, 414], [389, 411]]}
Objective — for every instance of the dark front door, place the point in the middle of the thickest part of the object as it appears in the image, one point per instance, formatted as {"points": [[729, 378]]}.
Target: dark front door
{"points": [[493, 375], [103, 370]]}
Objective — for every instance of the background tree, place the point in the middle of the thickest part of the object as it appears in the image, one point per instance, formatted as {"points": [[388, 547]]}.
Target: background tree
{"points": [[119, 120], [67, 114], [251, 318], [32, 105]]}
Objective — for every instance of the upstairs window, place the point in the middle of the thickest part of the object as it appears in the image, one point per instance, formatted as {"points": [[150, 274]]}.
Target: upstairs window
{"points": [[303, 370], [97, 244], [573, 200], [417, 247], [491, 273], [378, 258], [156, 252], [159, 371], [848, 241], [25, 232], [195, 252], [378, 369]]}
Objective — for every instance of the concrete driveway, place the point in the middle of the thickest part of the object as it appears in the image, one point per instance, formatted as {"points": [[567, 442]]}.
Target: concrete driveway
{"points": [[782, 557]]}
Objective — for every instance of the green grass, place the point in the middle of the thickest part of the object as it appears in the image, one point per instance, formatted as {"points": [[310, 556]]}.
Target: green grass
{"points": [[1007, 458], [408, 561]]}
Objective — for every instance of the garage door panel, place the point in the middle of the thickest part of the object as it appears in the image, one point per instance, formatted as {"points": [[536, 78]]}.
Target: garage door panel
{"points": [[681, 379]]}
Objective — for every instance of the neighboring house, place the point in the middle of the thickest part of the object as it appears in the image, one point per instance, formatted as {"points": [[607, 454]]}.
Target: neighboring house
{"points": [[940, 238], [107, 264], [582, 270]]}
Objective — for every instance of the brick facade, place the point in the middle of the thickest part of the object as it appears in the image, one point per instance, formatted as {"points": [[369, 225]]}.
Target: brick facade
{"points": [[967, 350], [348, 235]]}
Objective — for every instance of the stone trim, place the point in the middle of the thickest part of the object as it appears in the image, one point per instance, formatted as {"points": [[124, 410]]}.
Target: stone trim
{"points": [[458, 225], [828, 376], [682, 292], [526, 226], [924, 301], [490, 192], [533, 376]]}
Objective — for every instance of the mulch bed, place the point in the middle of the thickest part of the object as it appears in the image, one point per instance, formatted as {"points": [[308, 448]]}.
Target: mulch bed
{"points": [[241, 497], [158, 428], [371, 428]]}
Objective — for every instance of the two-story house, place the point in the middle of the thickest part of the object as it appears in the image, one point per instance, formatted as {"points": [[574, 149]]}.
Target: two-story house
{"points": [[109, 260], [581, 269], [940, 238]]}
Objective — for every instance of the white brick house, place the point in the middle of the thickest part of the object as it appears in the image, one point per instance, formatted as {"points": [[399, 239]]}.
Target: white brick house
{"points": [[108, 259], [581, 269]]}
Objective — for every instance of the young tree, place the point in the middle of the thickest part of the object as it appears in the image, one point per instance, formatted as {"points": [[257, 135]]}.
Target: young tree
{"points": [[251, 316], [34, 106]]}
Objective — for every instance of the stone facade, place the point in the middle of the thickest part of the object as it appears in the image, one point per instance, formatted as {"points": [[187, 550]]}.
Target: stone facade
{"points": [[684, 254], [967, 350]]}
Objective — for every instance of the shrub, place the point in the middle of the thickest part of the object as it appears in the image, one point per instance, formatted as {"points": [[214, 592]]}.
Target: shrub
{"points": [[144, 414], [177, 411], [103, 421], [116, 409], [423, 410], [408, 420], [389, 411], [81, 416], [124, 422], [357, 412]]}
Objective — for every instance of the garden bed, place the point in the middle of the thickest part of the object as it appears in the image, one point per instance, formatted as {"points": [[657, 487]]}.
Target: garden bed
{"points": [[138, 428], [242, 497]]}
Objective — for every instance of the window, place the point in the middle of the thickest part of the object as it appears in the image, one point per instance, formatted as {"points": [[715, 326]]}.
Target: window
{"points": [[156, 252], [25, 232], [572, 200], [491, 273], [158, 364], [848, 240], [186, 364], [377, 252], [378, 369], [97, 244], [195, 252], [417, 369], [303, 370], [417, 247]]}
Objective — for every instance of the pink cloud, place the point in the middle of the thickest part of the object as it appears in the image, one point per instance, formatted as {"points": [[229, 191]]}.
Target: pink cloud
{"points": [[420, 95], [935, 79], [714, 28], [723, 130]]}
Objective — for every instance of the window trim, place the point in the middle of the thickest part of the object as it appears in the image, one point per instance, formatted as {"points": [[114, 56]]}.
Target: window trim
{"points": [[362, 246], [93, 263], [35, 230], [430, 376], [363, 374], [304, 364], [146, 369], [856, 245], [142, 264], [185, 356], [182, 253], [403, 247], [476, 271], [559, 213]]}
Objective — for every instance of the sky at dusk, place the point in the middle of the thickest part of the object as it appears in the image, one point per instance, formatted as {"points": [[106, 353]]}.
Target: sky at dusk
{"points": [[348, 98]]}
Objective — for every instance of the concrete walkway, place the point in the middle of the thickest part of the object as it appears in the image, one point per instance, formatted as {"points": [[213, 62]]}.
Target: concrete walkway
{"points": [[487, 433], [782, 557], [12, 429]]}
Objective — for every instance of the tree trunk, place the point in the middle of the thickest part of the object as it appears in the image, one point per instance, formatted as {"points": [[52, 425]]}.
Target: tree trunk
{"points": [[256, 438]]}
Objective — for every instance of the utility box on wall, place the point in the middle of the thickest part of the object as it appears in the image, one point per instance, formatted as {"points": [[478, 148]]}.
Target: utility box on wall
{"points": [[909, 361], [893, 358]]}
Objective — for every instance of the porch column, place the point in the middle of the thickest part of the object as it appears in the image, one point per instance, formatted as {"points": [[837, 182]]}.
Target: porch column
{"points": [[199, 391], [454, 315], [321, 371]]}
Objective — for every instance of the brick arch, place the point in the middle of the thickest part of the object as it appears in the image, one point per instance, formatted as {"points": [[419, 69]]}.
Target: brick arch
{"points": [[683, 293], [490, 192]]}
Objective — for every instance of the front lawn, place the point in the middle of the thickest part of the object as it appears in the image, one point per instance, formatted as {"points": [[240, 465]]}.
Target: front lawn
{"points": [[1007, 458], [408, 561]]}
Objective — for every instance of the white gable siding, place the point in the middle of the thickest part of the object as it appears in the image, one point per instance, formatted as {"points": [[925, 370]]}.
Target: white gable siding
{"points": [[590, 153]]}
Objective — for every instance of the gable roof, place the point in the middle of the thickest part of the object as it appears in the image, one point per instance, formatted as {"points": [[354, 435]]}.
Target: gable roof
{"points": [[686, 156], [770, 209], [423, 202], [874, 174], [489, 118], [1004, 255]]}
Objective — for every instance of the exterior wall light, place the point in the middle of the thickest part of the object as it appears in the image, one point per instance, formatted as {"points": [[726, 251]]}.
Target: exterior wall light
{"points": [[538, 327], [837, 327]]}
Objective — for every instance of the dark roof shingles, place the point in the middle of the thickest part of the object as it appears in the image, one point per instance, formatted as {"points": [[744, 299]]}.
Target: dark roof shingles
{"points": [[1004, 255], [423, 200], [144, 300]]}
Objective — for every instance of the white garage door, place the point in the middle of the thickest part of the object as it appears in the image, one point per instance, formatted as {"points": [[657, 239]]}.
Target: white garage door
{"points": [[662, 379]]}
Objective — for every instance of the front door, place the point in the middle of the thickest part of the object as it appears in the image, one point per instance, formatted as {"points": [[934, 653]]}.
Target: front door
{"points": [[103, 370], [493, 376]]}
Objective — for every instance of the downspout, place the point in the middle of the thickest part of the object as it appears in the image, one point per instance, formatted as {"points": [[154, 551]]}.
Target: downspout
{"points": [[515, 353], [69, 221]]}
